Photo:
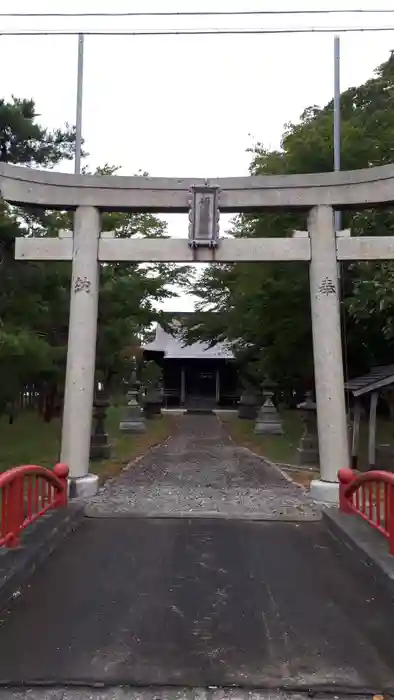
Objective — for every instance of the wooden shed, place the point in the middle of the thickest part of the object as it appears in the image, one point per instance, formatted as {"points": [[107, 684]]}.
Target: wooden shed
{"points": [[378, 382]]}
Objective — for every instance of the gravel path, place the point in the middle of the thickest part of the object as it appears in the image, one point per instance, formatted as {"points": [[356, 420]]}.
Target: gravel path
{"points": [[199, 472], [157, 694]]}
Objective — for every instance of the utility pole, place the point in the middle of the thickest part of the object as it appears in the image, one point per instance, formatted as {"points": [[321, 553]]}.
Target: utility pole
{"points": [[78, 121], [337, 118]]}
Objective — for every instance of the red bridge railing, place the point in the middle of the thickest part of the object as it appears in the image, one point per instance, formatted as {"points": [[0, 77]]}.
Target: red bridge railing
{"points": [[371, 496], [26, 493]]}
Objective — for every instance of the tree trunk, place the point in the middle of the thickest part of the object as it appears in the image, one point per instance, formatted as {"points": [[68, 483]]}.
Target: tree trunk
{"points": [[50, 403]]}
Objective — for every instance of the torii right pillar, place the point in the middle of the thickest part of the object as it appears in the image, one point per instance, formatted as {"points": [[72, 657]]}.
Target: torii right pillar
{"points": [[327, 353]]}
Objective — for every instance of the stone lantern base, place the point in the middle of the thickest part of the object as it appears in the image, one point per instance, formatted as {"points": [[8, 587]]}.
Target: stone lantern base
{"points": [[99, 445], [129, 425], [308, 452], [133, 421], [248, 405], [308, 448]]}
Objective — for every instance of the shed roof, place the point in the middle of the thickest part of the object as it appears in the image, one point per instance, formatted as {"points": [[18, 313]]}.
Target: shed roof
{"points": [[377, 378], [174, 347]]}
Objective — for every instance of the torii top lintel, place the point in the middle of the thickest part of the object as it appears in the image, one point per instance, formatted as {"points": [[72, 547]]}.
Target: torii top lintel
{"points": [[343, 190]]}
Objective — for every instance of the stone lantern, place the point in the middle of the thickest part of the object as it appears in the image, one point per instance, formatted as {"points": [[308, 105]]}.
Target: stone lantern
{"points": [[133, 421], [153, 395], [308, 449], [99, 445], [249, 402], [268, 421]]}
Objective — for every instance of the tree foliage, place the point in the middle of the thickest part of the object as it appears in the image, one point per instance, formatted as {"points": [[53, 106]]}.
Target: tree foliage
{"points": [[24, 141], [265, 308], [34, 298]]}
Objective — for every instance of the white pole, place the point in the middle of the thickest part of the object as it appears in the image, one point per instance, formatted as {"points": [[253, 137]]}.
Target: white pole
{"points": [[78, 121]]}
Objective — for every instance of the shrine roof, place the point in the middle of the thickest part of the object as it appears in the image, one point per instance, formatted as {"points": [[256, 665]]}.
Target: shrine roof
{"points": [[377, 378], [174, 347]]}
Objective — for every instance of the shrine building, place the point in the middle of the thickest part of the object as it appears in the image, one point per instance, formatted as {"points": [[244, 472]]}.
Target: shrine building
{"points": [[194, 376]]}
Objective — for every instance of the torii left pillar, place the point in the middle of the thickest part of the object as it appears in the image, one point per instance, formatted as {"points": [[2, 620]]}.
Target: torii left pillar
{"points": [[81, 355]]}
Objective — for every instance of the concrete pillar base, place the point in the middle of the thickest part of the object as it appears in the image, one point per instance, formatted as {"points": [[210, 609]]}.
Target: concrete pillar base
{"points": [[83, 486], [324, 491]]}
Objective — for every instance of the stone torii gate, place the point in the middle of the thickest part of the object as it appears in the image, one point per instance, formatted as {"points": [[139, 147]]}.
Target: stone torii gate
{"points": [[317, 194]]}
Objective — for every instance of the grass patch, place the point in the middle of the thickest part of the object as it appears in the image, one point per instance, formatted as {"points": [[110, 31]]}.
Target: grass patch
{"points": [[127, 447], [31, 441], [282, 449], [276, 448]]}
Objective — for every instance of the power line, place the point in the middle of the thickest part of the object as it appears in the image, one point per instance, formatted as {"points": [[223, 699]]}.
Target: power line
{"points": [[197, 13], [196, 32]]}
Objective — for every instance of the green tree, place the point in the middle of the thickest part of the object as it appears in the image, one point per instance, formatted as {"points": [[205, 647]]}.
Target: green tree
{"points": [[24, 141], [24, 347], [34, 299], [265, 309]]}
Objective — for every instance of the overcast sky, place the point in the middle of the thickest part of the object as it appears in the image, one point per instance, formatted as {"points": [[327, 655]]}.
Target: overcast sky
{"points": [[185, 106]]}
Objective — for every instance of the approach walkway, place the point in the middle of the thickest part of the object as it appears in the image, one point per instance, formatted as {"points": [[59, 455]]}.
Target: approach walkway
{"points": [[147, 600], [201, 472]]}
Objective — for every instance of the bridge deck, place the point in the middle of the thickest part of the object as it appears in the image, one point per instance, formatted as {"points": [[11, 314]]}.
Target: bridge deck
{"points": [[195, 603]]}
